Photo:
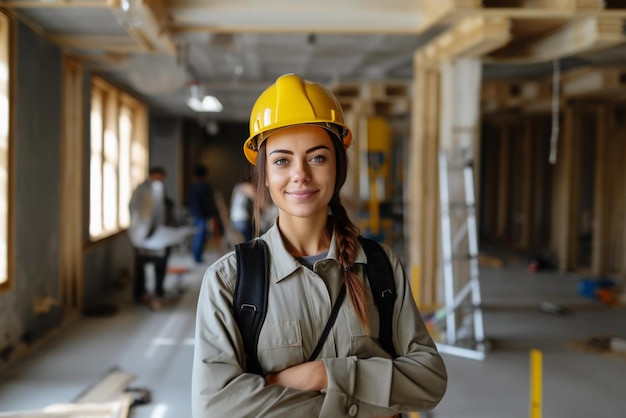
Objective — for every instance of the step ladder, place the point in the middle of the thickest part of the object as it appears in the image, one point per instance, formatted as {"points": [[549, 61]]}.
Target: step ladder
{"points": [[461, 317]]}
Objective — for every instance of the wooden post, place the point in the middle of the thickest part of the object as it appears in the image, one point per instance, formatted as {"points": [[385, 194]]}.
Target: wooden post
{"points": [[526, 216], [601, 198], [565, 213], [422, 190], [503, 181]]}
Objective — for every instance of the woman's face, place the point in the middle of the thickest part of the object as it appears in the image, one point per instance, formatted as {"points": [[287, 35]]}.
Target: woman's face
{"points": [[301, 170]]}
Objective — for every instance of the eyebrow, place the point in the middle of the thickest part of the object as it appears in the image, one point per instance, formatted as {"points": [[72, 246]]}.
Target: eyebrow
{"points": [[310, 150]]}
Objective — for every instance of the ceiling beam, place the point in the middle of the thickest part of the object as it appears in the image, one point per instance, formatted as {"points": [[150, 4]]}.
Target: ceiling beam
{"points": [[153, 34], [472, 37], [576, 37], [449, 11], [540, 14], [92, 41], [324, 16], [594, 81], [159, 18]]}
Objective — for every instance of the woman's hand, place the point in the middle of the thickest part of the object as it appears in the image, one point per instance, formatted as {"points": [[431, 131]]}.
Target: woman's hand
{"points": [[306, 376]]}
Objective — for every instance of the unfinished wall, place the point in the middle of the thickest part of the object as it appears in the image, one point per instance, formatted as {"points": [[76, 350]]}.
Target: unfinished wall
{"points": [[35, 177], [571, 209]]}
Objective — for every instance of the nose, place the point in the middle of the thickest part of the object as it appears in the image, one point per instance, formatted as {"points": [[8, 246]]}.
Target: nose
{"points": [[301, 172]]}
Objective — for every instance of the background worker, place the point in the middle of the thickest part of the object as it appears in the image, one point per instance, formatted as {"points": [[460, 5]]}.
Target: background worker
{"points": [[148, 211], [203, 209], [241, 209]]}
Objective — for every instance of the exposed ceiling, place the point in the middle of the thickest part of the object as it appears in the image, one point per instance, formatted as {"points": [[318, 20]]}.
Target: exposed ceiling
{"points": [[235, 48]]}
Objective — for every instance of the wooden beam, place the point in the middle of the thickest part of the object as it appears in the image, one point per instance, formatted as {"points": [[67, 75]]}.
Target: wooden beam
{"points": [[159, 14], [154, 34], [423, 219], [504, 183], [593, 81], [602, 196], [576, 37], [566, 206], [431, 241], [472, 37], [446, 11], [576, 5], [528, 169], [102, 42]]}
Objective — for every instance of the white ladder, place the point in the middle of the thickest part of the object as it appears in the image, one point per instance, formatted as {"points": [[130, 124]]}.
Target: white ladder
{"points": [[461, 315]]}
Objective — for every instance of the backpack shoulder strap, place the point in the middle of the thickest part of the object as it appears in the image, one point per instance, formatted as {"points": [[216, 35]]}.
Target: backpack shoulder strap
{"points": [[250, 298], [381, 279]]}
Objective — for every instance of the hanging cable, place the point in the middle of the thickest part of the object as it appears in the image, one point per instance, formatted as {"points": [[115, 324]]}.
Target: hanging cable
{"points": [[556, 84]]}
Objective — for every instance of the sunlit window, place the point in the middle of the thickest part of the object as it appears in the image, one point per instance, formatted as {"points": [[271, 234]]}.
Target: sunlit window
{"points": [[118, 156], [4, 149]]}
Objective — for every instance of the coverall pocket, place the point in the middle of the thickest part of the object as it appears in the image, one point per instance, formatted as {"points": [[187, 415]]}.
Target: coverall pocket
{"points": [[280, 345]]}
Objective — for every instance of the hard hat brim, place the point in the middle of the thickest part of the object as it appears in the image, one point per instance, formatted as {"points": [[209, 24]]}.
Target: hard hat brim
{"points": [[252, 144]]}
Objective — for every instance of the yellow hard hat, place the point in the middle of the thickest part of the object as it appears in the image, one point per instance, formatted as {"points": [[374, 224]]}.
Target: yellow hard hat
{"points": [[294, 101]]}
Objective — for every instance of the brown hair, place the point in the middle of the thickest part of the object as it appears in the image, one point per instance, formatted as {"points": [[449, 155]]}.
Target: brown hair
{"points": [[345, 231]]}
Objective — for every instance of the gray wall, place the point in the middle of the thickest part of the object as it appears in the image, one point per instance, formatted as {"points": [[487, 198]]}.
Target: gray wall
{"points": [[165, 150], [224, 156], [35, 174]]}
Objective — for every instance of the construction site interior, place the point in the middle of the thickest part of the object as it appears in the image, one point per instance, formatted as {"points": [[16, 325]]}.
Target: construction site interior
{"points": [[489, 152]]}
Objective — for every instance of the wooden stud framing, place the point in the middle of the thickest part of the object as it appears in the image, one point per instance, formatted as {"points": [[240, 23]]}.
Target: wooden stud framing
{"points": [[423, 236], [526, 215], [503, 182], [601, 198], [72, 173], [565, 214]]}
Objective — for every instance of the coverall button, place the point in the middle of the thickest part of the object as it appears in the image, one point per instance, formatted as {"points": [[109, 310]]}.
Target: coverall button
{"points": [[354, 409]]}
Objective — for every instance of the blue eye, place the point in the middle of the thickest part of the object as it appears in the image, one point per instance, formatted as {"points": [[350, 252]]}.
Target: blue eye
{"points": [[318, 159], [280, 161]]}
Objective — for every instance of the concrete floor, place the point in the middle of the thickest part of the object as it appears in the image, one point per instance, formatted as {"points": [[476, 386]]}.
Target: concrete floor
{"points": [[157, 348]]}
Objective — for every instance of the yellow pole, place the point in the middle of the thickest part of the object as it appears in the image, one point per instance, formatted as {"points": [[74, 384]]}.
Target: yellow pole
{"points": [[414, 415], [536, 359], [374, 205], [415, 283]]}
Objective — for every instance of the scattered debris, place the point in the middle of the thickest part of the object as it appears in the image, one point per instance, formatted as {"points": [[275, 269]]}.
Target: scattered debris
{"points": [[540, 262], [553, 308], [139, 396], [602, 289], [102, 309], [618, 344], [490, 261], [611, 345]]}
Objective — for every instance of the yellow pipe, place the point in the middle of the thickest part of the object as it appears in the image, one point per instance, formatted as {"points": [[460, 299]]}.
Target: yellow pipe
{"points": [[374, 208], [415, 283], [536, 359]]}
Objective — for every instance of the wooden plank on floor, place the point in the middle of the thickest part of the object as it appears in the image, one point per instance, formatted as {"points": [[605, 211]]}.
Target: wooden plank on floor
{"points": [[114, 409], [108, 388]]}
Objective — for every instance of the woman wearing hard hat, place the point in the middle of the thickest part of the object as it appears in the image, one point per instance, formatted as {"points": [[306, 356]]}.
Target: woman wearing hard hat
{"points": [[297, 144]]}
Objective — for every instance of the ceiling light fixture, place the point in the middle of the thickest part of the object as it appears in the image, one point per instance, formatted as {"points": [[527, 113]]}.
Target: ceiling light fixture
{"points": [[200, 102]]}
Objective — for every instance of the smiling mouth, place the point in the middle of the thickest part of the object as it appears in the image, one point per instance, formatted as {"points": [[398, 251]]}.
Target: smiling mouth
{"points": [[301, 194]]}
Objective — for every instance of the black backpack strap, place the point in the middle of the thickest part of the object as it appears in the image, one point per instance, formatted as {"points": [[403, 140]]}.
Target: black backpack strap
{"points": [[250, 298], [329, 323], [381, 279]]}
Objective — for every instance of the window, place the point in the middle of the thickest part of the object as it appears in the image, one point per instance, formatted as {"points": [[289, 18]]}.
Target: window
{"points": [[118, 156], [4, 149]]}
